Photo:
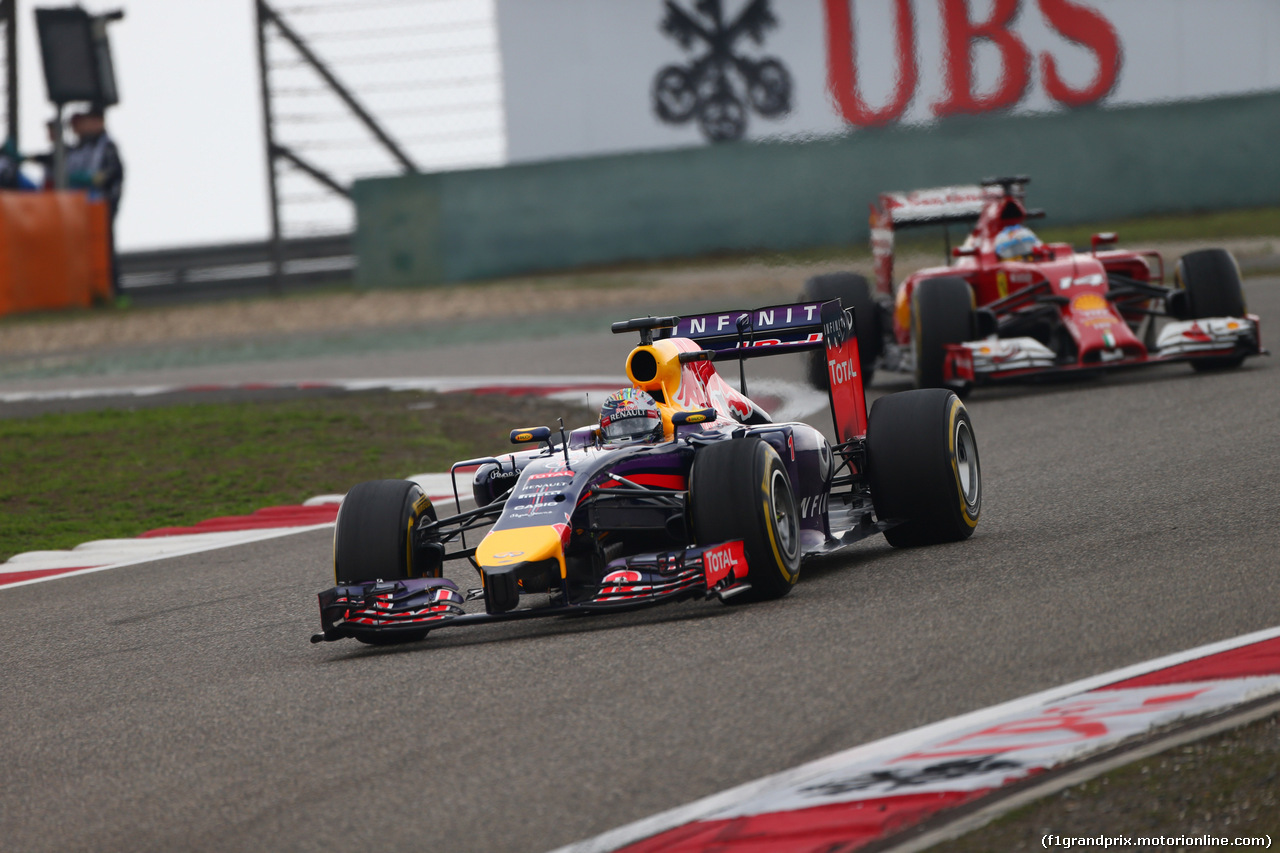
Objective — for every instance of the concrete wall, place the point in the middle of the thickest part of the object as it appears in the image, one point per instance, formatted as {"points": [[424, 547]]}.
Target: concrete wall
{"points": [[1086, 165]]}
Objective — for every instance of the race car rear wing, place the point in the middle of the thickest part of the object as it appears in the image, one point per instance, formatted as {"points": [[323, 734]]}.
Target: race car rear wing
{"points": [[778, 329], [772, 330], [897, 210], [944, 206]]}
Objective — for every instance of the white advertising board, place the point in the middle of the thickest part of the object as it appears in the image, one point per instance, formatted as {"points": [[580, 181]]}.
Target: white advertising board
{"points": [[584, 77]]}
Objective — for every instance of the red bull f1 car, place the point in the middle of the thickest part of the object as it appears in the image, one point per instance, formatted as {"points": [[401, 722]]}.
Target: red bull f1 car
{"points": [[1009, 307], [684, 488]]}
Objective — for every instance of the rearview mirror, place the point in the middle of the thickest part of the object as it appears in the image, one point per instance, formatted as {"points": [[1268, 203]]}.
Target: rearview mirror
{"points": [[528, 434], [701, 416]]}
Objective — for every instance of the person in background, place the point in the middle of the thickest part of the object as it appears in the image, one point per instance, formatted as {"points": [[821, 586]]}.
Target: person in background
{"points": [[94, 164], [45, 160], [11, 177]]}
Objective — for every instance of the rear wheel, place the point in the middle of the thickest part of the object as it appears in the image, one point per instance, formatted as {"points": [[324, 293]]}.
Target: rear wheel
{"points": [[941, 313], [739, 489], [922, 461], [854, 292], [372, 538], [1211, 282]]}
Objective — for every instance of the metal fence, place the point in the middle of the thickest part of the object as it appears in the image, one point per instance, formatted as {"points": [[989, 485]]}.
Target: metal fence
{"points": [[354, 88], [236, 269]]}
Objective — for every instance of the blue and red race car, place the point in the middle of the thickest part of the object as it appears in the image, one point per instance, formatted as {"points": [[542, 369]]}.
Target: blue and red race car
{"points": [[684, 488], [1010, 307]]}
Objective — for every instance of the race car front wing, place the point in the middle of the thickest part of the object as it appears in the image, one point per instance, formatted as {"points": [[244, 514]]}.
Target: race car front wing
{"points": [[384, 611], [1213, 336], [994, 359]]}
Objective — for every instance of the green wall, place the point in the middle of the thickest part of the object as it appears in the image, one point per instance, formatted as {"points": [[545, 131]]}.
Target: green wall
{"points": [[1086, 165]]}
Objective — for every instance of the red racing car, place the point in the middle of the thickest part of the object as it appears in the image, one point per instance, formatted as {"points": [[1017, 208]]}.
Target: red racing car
{"points": [[1010, 307]]}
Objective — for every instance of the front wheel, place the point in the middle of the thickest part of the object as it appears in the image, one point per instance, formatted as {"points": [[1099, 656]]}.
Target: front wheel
{"points": [[739, 489], [1211, 283], [941, 313], [373, 535], [922, 461]]}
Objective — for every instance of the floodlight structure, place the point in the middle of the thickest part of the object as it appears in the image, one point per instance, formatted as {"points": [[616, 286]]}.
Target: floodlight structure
{"points": [[77, 66]]}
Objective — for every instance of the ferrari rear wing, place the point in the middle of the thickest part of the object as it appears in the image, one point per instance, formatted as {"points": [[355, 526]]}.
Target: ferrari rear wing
{"points": [[938, 206], [957, 205], [894, 211]]}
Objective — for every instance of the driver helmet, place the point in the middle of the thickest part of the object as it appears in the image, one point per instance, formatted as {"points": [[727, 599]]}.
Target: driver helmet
{"points": [[1017, 242], [630, 415]]}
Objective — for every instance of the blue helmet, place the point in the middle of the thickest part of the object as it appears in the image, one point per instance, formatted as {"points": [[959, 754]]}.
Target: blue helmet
{"points": [[630, 415], [1017, 242]]}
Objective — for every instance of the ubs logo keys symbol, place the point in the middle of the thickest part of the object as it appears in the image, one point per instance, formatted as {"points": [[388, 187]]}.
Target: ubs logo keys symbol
{"points": [[714, 86]]}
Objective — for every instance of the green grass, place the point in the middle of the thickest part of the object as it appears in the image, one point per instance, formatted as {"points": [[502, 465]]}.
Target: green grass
{"points": [[71, 478]]}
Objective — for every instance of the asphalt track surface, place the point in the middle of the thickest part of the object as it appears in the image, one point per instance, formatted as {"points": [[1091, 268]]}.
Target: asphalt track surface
{"points": [[178, 704]]}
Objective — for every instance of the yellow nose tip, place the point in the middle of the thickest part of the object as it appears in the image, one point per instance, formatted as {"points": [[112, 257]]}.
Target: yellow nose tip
{"points": [[503, 548]]}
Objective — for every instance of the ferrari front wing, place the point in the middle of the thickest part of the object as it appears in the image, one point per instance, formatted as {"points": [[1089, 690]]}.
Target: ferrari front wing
{"points": [[994, 359]]}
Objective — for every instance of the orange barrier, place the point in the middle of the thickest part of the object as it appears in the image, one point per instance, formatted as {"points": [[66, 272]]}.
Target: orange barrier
{"points": [[53, 251]]}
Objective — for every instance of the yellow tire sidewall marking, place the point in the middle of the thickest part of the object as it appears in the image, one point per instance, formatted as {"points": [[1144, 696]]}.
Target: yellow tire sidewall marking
{"points": [[766, 487], [336, 519], [953, 416], [408, 545]]}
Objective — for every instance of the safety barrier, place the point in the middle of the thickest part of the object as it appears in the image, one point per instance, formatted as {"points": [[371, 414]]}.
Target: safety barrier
{"points": [[53, 251], [1087, 164], [236, 269]]}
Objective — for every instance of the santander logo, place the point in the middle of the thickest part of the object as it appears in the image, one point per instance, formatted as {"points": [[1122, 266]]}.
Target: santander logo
{"points": [[962, 34], [620, 583]]}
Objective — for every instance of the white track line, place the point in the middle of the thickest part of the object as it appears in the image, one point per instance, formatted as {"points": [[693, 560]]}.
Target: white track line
{"points": [[235, 538], [102, 554], [404, 383], [796, 401]]}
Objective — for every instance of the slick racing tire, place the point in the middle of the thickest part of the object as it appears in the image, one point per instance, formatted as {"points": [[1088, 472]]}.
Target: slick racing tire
{"points": [[372, 539], [941, 313], [739, 489], [922, 464], [854, 292], [1210, 281]]}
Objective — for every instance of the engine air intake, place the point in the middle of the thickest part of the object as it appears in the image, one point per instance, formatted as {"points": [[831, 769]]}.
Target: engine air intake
{"points": [[642, 366]]}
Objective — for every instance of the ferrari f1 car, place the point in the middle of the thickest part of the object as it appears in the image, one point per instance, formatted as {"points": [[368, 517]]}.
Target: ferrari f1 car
{"points": [[685, 488], [1009, 307]]}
